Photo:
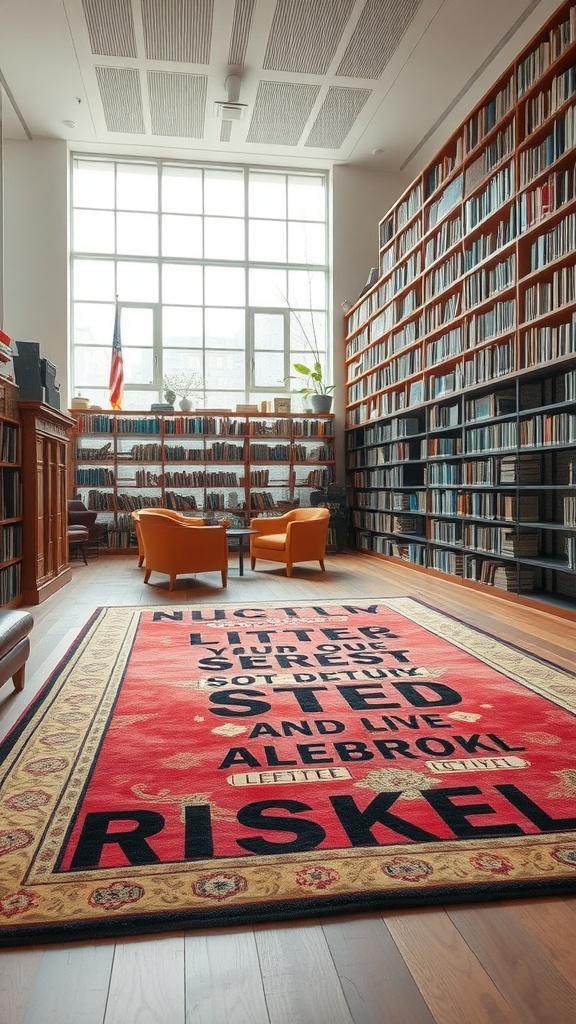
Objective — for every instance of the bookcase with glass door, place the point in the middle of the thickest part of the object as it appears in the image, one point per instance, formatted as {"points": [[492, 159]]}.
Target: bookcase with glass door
{"points": [[461, 359]]}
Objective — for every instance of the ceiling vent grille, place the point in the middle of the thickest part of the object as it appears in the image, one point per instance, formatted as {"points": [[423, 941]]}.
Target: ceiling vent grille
{"points": [[110, 27], [121, 99], [304, 35], [178, 30], [243, 11], [280, 112], [336, 117], [377, 35], [177, 104]]}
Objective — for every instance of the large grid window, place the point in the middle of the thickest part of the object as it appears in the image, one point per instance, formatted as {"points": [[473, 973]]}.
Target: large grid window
{"points": [[218, 272]]}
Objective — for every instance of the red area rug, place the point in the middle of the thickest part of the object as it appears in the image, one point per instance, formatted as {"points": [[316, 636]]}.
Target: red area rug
{"points": [[196, 766]]}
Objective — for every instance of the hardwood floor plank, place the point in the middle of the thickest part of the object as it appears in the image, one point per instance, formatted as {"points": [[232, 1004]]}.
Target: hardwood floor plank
{"points": [[223, 980], [378, 986], [453, 982], [18, 970], [71, 985], [300, 980], [547, 921], [147, 983], [520, 964]]}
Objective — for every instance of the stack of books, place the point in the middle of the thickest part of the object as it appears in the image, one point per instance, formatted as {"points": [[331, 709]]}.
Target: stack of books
{"points": [[522, 545], [523, 509], [506, 577], [520, 469]]}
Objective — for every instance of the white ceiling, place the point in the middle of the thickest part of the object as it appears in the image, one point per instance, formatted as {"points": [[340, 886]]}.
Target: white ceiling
{"points": [[324, 81]]}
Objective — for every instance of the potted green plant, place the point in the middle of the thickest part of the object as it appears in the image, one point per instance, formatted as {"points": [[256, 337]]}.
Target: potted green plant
{"points": [[183, 385], [316, 394], [314, 388]]}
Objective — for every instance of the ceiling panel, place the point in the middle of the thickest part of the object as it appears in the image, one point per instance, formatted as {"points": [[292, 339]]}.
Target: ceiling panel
{"points": [[305, 34], [178, 30], [366, 82], [110, 27], [121, 99]]}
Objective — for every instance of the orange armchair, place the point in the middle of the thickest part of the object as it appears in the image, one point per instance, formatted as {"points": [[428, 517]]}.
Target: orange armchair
{"points": [[179, 545], [170, 513], [297, 536]]}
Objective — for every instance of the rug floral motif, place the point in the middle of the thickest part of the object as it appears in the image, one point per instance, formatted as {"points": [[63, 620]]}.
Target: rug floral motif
{"points": [[195, 766]]}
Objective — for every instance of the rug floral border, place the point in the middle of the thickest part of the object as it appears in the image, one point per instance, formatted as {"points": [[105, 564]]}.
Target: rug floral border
{"points": [[45, 771]]}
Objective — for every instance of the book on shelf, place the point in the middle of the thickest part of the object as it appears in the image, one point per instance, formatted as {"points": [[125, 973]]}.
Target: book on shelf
{"points": [[524, 508], [520, 469], [525, 544], [506, 577]]}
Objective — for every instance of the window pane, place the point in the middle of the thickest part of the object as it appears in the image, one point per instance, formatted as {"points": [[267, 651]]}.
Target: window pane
{"points": [[223, 238], [181, 283], [93, 324], [94, 279], [181, 236], [306, 243], [267, 241], [267, 287], [181, 190], [92, 366], [224, 328], [269, 331], [306, 198], [224, 399], [137, 327], [267, 195], [224, 368], [137, 399], [307, 289], [138, 365], [93, 231], [224, 192], [137, 187], [138, 282], [181, 362], [138, 234], [268, 369], [224, 284], [181, 327], [308, 331], [93, 184]]}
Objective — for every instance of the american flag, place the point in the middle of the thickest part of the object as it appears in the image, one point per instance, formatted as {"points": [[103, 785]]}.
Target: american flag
{"points": [[117, 365]]}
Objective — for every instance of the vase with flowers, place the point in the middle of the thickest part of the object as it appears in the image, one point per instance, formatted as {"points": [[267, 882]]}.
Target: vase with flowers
{"points": [[182, 385]]}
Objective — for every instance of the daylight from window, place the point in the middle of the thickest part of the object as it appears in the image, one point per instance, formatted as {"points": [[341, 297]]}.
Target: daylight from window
{"points": [[220, 274]]}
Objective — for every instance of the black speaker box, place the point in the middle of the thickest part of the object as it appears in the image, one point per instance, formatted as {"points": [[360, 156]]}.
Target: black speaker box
{"points": [[27, 371]]}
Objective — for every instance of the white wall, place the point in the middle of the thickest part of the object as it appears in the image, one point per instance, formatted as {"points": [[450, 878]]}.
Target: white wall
{"points": [[36, 249]]}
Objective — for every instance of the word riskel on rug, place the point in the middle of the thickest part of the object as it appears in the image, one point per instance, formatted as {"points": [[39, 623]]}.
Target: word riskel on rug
{"points": [[195, 766]]}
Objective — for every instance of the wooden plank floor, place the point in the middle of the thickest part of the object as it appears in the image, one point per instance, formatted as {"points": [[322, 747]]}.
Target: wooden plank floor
{"points": [[511, 962]]}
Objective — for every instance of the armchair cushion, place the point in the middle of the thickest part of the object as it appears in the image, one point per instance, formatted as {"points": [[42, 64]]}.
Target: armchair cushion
{"points": [[297, 536], [170, 513], [175, 545], [15, 625], [79, 515]]}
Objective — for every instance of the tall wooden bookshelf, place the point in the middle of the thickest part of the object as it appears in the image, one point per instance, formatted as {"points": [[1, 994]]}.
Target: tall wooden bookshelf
{"points": [[230, 464], [461, 359], [45, 467], [10, 496]]}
